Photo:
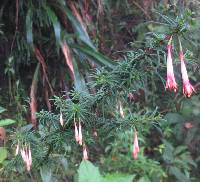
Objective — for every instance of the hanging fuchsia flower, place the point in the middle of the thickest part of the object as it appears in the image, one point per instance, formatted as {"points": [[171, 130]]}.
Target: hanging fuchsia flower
{"points": [[80, 134], [85, 154], [23, 154], [171, 82], [61, 119], [26, 156], [76, 132], [188, 89], [29, 159], [136, 148]]}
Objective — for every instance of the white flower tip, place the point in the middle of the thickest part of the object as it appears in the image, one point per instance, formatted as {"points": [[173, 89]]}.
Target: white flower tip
{"points": [[85, 154], [61, 120]]}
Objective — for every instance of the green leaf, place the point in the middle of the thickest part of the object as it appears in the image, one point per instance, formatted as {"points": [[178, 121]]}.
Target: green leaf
{"points": [[56, 24], [29, 27], [174, 118], [82, 34], [178, 174], [118, 177], [179, 150], [87, 172], [5, 122], [168, 152], [169, 20], [144, 179], [79, 81], [3, 154], [26, 128], [95, 55], [2, 109], [46, 174]]}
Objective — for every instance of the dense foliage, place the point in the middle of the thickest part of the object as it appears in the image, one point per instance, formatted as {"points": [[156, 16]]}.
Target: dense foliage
{"points": [[92, 93]]}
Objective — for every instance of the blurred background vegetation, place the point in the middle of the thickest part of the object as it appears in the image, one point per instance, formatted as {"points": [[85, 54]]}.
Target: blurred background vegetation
{"points": [[101, 62]]}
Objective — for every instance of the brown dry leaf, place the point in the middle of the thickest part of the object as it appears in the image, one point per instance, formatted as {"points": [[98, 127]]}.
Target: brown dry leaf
{"points": [[68, 58], [46, 96], [77, 14], [4, 180], [40, 58], [33, 105], [142, 8], [100, 7], [2, 136], [33, 95]]}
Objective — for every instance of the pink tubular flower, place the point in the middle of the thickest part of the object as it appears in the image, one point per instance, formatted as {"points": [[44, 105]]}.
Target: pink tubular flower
{"points": [[171, 82], [136, 148], [76, 132], [188, 89], [61, 120], [23, 154], [80, 134], [29, 159], [26, 156], [85, 155]]}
